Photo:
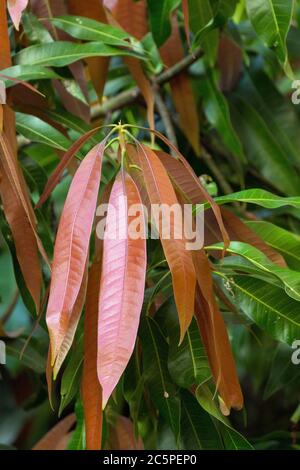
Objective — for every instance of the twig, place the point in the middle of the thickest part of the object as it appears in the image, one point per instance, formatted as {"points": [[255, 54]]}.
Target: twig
{"points": [[224, 185], [127, 97], [164, 114]]}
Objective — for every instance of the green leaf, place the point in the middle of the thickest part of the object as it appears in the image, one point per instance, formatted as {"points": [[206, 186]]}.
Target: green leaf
{"points": [[60, 53], [27, 73], [268, 306], [287, 243], [31, 357], [70, 382], [261, 147], [201, 21], [199, 430], [36, 130], [162, 389], [233, 439], [271, 20], [77, 441], [217, 112], [283, 372], [260, 197], [159, 14], [187, 363], [91, 30]]}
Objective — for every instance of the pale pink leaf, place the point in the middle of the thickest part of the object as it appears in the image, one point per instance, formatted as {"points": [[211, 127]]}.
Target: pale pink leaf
{"points": [[16, 8], [122, 286]]}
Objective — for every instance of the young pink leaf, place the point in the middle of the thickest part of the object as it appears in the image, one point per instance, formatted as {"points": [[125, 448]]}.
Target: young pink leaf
{"points": [[16, 8], [122, 286], [71, 246]]}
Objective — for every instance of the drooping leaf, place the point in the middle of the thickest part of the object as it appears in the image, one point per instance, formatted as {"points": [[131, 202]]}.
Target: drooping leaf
{"points": [[160, 191], [122, 285], [182, 93], [202, 17], [232, 438], [71, 377], [16, 8], [27, 72], [157, 377], [159, 13], [77, 441], [217, 113], [71, 246], [200, 432], [53, 438]]}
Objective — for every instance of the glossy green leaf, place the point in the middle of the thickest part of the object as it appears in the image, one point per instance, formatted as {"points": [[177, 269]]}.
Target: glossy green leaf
{"points": [[217, 112], [201, 20], [271, 20], [233, 439], [60, 53], [268, 306], [36, 130], [27, 73], [261, 147], [163, 391], [287, 243], [159, 15], [283, 372], [77, 440], [199, 429], [70, 382], [260, 197], [91, 30]]}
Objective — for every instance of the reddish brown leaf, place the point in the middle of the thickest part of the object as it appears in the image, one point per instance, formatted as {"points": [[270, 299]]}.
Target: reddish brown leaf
{"points": [[230, 62], [186, 15], [182, 93], [214, 335], [71, 246], [53, 439], [161, 191], [121, 436]]}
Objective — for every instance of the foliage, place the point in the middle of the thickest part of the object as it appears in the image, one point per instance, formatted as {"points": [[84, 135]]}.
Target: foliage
{"points": [[133, 343]]}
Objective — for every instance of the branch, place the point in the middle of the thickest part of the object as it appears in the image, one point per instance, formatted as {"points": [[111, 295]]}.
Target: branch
{"points": [[165, 117], [128, 96]]}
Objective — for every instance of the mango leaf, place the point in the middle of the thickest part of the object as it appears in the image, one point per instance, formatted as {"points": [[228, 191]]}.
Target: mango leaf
{"points": [[200, 20], [61, 53], [182, 92], [163, 391], [91, 389], [271, 20], [200, 431], [27, 73], [261, 147], [187, 363], [91, 30], [71, 377], [159, 13], [260, 197], [290, 279], [268, 306], [122, 285], [53, 438], [36, 130], [287, 243], [32, 356], [77, 441], [71, 246], [217, 112], [233, 439], [160, 191], [16, 8]]}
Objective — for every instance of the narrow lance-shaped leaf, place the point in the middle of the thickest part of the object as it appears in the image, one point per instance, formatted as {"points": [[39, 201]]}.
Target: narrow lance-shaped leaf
{"points": [[161, 192], [122, 285], [71, 246], [215, 336]]}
